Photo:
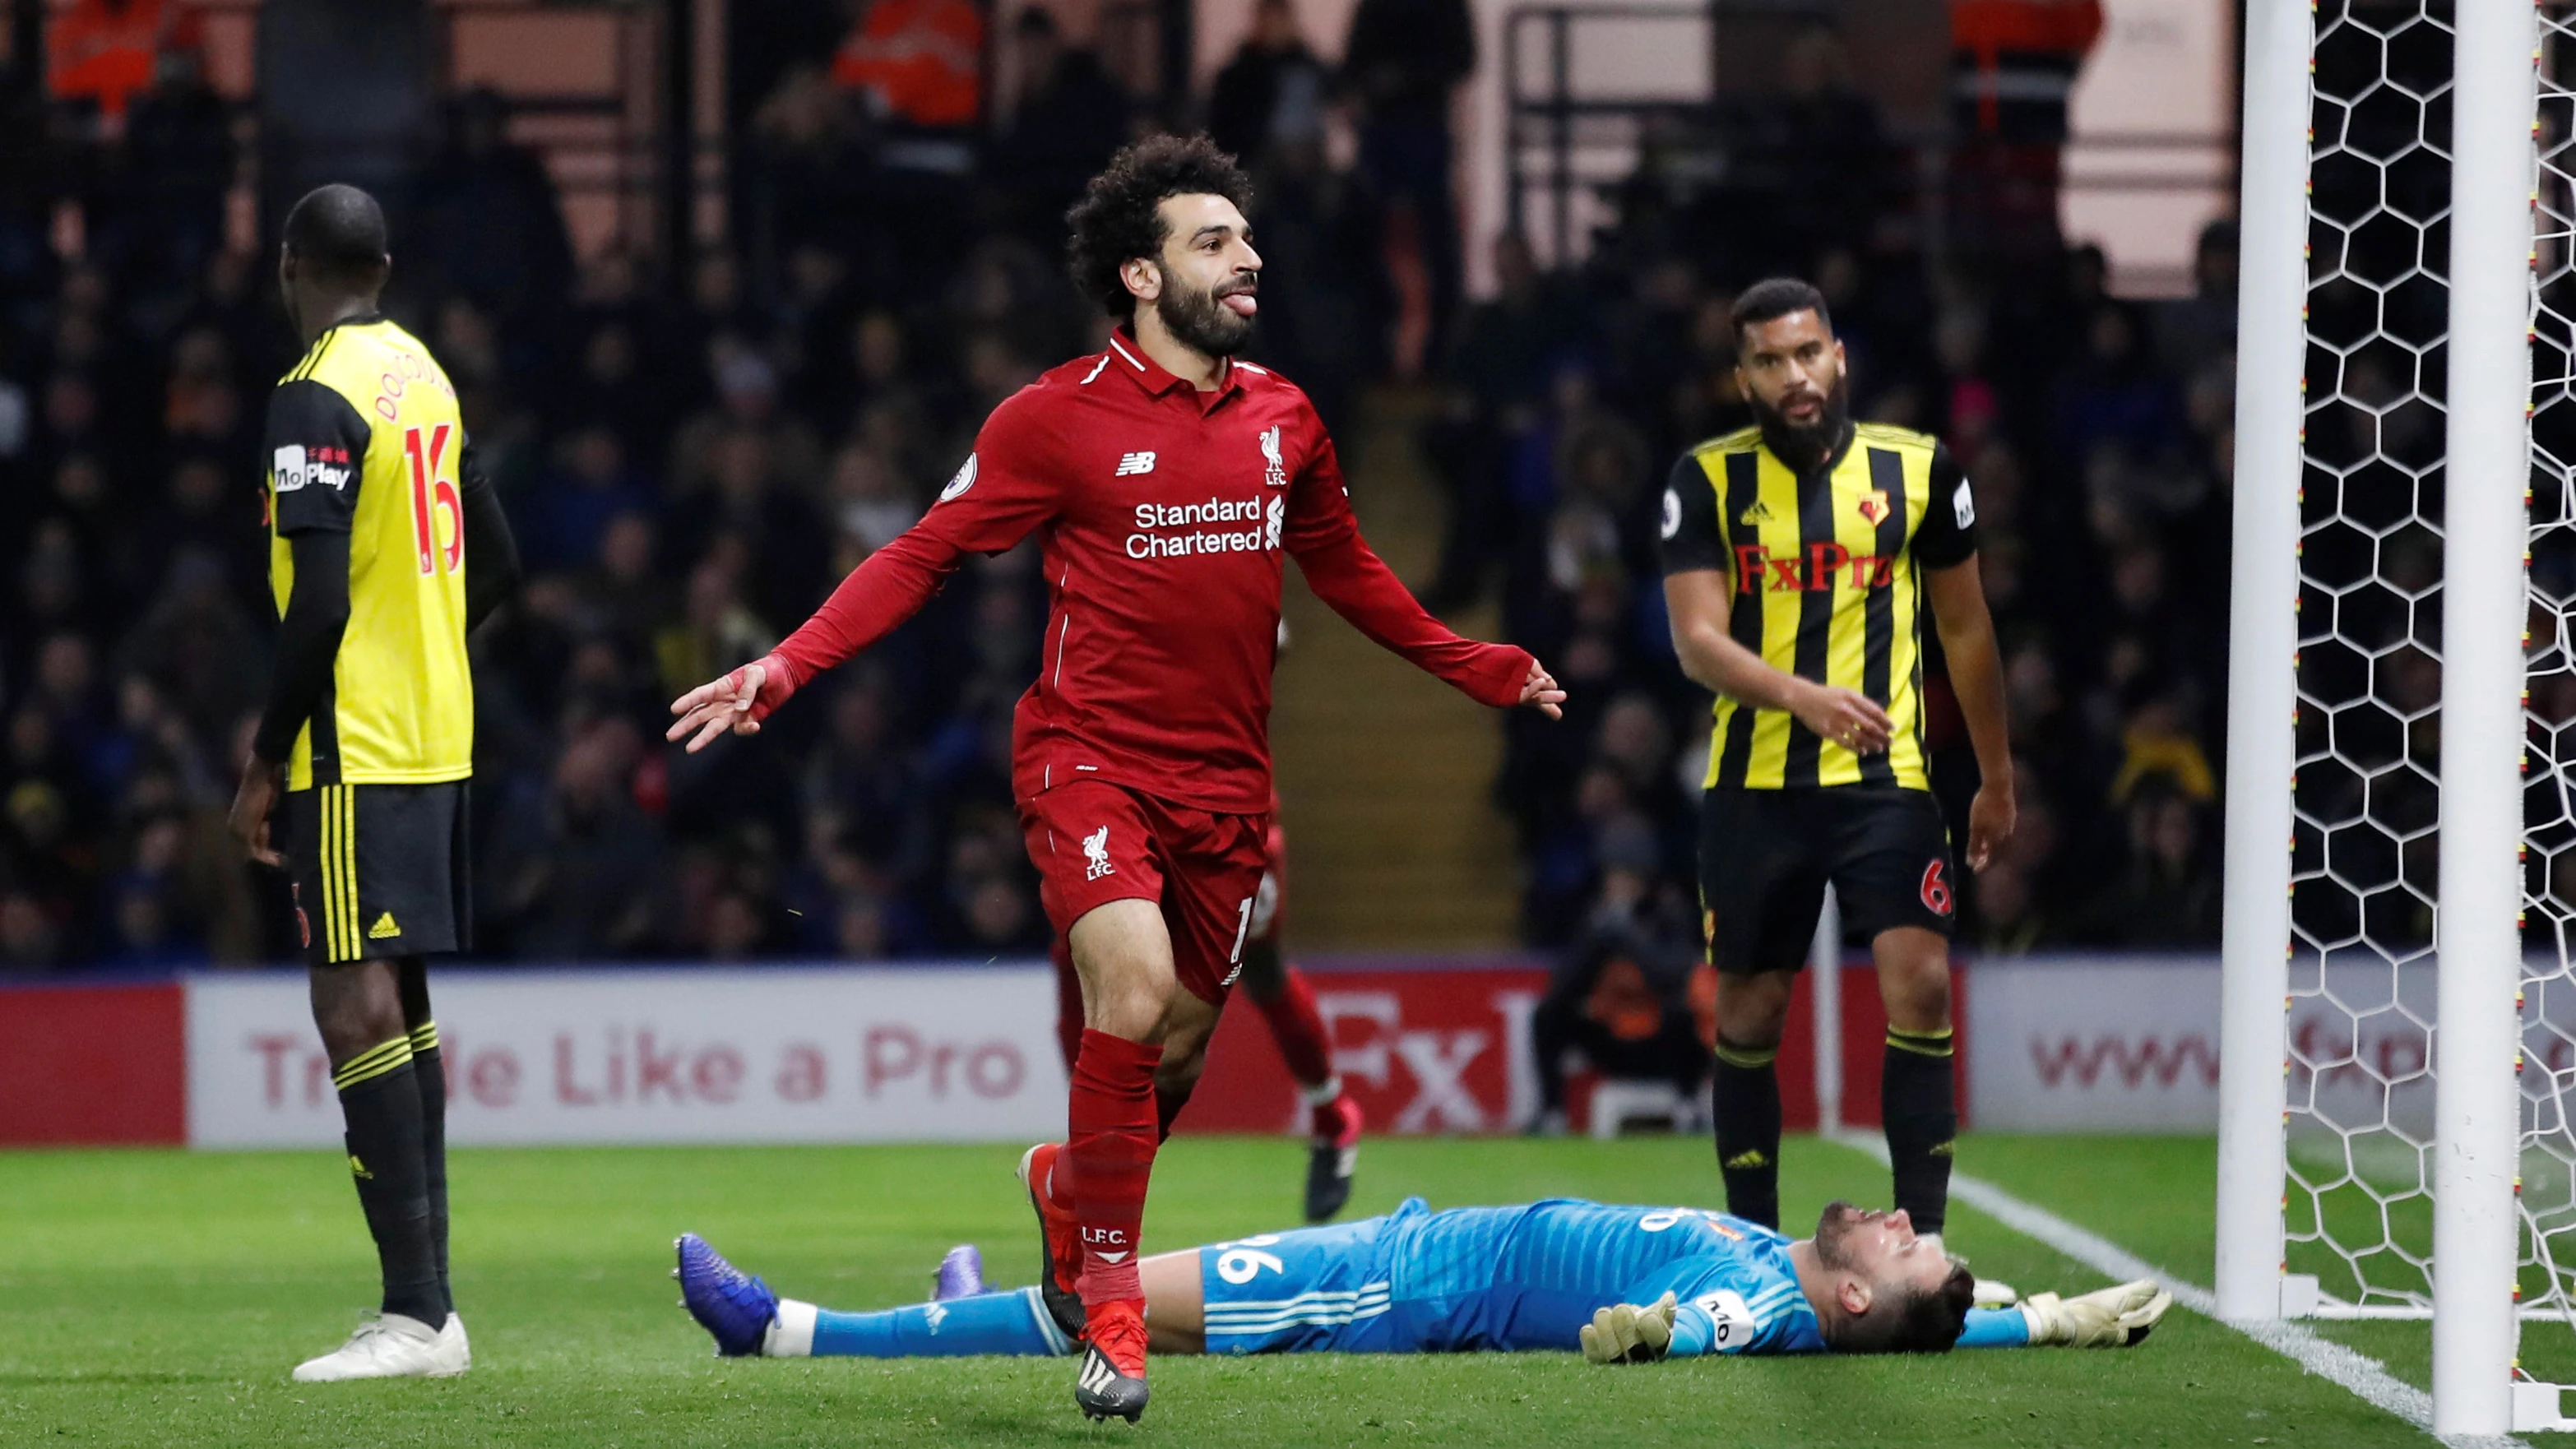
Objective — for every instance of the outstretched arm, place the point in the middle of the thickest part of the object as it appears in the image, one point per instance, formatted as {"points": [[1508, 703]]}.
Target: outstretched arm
{"points": [[1324, 537]]}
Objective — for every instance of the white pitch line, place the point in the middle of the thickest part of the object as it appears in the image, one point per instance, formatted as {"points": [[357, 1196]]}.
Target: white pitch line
{"points": [[2355, 1372]]}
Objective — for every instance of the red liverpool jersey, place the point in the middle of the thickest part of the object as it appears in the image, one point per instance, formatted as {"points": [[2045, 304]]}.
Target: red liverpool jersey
{"points": [[1165, 514]]}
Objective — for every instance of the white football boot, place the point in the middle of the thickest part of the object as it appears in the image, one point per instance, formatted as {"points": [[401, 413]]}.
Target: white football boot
{"points": [[451, 1342], [390, 1346]]}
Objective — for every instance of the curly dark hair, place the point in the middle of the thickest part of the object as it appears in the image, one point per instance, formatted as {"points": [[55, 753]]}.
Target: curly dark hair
{"points": [[1116, 220]]}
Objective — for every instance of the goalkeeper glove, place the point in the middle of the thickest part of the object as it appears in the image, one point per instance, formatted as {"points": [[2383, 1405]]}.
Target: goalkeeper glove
{"points": [[2105, 1318], [1627, 1333]]}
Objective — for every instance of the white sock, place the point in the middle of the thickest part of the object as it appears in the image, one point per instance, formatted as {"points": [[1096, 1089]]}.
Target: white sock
{"points": [[791, 1333], [1324, 1093]]}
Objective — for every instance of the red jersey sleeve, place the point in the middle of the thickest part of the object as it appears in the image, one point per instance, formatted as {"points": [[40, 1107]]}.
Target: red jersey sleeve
{"points": [[1324, 537], [1006, 490]]}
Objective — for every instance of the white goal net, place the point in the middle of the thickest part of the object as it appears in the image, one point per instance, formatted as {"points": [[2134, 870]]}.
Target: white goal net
{"points": [[2367, 799], [2411, 468]]}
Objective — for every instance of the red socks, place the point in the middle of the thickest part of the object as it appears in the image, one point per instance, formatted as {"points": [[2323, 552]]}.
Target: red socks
{"points": [[1109, 1152], [1167, 1110], [1068, 1003], [1299, 1030]]}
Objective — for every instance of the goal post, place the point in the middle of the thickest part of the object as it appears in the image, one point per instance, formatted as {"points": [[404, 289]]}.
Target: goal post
{"points": [[2486, 535], [2262, 689], [2376, 1115]]}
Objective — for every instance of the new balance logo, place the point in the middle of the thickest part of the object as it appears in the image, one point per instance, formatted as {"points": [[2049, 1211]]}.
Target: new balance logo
{"points": [[1112, 1259], [1132, 464], [384, 929], [1095, 850]]}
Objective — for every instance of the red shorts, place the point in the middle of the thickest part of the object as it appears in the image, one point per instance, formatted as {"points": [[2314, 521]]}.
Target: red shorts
{"points": [[1094, 842]]}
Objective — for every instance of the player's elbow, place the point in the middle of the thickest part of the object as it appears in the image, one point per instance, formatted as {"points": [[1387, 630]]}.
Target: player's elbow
{"points": [[318, 613], [1698, 657]]}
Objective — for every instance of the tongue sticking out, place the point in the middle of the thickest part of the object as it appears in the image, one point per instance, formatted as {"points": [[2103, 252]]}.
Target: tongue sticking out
{"points": [[1241, 304]]}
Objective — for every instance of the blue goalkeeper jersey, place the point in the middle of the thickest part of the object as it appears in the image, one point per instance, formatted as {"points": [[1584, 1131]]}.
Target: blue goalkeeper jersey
{"points": [[1530, 1277], [1504, 1278]]}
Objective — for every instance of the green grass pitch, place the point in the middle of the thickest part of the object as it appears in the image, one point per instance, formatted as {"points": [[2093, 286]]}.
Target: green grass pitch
{"points": [[159, 1298]]}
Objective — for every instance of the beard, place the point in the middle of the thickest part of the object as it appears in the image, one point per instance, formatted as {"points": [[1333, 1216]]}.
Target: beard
{"points": [[1199, 321], [1833, 1235], [1809, 446]]}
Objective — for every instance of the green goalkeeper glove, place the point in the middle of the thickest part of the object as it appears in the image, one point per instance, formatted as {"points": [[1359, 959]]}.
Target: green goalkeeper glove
{"points": [[2106, 1318], [1627, 1333]]}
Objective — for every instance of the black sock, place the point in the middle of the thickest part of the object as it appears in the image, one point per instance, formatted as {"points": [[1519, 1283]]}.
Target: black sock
{"points": [[429, 1069], [1917, 1100], [380, 1100], [1745, 1098]]}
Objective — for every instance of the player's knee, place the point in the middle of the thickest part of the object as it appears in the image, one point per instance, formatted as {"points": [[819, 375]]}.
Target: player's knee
{"points": [[1753, 1011], [352, 1018], [1915, 986], [1178, 1076]]}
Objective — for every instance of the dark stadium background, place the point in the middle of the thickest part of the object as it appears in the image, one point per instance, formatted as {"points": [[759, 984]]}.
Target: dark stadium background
{"points": [[712, 367]]}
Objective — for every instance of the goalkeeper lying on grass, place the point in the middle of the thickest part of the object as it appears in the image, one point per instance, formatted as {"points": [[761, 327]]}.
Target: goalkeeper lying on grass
{"points": [[1622, 1284]]}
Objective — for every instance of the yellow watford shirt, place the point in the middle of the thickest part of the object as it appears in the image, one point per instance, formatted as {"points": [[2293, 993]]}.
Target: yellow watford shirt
{"points": [[364, 439], [1826, 568]]}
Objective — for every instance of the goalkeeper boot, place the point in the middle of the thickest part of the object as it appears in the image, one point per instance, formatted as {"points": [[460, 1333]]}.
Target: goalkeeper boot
{"points": [[387, 1346], [1332, 1155], [733, 1306], [1113, 1362], [961, 1274], [1060, 1240]]}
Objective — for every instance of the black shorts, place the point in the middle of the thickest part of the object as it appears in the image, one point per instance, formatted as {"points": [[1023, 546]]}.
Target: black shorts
{"points": [[379, 871], [1765, 857]]}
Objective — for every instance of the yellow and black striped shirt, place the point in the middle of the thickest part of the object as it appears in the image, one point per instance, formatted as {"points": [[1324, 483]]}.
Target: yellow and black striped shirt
{"points": [[365, 439], [1826, 567]]}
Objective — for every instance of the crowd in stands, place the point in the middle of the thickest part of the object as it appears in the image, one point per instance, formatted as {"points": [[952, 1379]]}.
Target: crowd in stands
{"points": [[691, 462]]}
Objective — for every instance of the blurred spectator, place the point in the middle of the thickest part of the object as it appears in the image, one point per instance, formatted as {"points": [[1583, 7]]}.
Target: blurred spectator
{"points": [[591, 483], [1402, 61], [163, 211], [1621, 993], [1067, 118], [102, 52], [489, 223], [1272, 93], [576, 873], [2198, 330], [917, 61], [2013, 70]]}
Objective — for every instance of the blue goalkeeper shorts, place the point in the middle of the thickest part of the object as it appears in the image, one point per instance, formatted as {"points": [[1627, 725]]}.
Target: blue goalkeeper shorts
{"points": [[1315, 1290]]}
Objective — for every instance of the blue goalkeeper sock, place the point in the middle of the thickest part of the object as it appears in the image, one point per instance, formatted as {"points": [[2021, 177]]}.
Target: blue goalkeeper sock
{"points": [[1995, 1328], [1014, 1323]]}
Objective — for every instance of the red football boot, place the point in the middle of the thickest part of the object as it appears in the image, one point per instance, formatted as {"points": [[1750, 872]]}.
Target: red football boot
{"points": [[1332, 1155], [1060, 1261], [1113, 1364]]}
